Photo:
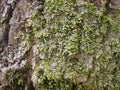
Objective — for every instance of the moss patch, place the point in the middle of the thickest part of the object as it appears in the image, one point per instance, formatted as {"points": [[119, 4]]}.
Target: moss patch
{"points": [[81, 46]]}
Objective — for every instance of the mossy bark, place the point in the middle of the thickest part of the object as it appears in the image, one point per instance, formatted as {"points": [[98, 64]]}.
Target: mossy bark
{"points": [[59, 45]]}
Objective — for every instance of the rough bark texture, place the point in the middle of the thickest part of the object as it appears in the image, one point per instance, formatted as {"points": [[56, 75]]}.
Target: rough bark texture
{"points": [[14, 14]]}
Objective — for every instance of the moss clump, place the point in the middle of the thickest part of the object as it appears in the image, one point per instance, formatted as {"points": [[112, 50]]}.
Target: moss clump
{"points": [[81, 46], [17, 79], [59, 75]]}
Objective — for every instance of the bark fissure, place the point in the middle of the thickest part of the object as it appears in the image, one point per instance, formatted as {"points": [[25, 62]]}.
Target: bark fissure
{"points": [[10, 15]]}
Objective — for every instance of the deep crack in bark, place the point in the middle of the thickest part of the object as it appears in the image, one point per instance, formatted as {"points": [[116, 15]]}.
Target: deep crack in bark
{"points": [[10, 15]]}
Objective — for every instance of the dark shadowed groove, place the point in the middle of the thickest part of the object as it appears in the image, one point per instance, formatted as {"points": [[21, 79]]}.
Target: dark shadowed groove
{"points": [[10, 15]]}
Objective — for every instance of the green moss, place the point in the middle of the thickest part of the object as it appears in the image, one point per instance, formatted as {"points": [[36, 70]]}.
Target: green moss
{"points": [[80, 44], [16, 79], [0, 87], [28, 65]]}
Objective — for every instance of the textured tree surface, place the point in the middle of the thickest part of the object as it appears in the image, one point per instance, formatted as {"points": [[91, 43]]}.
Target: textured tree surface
{"points": [[59, 44]]}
